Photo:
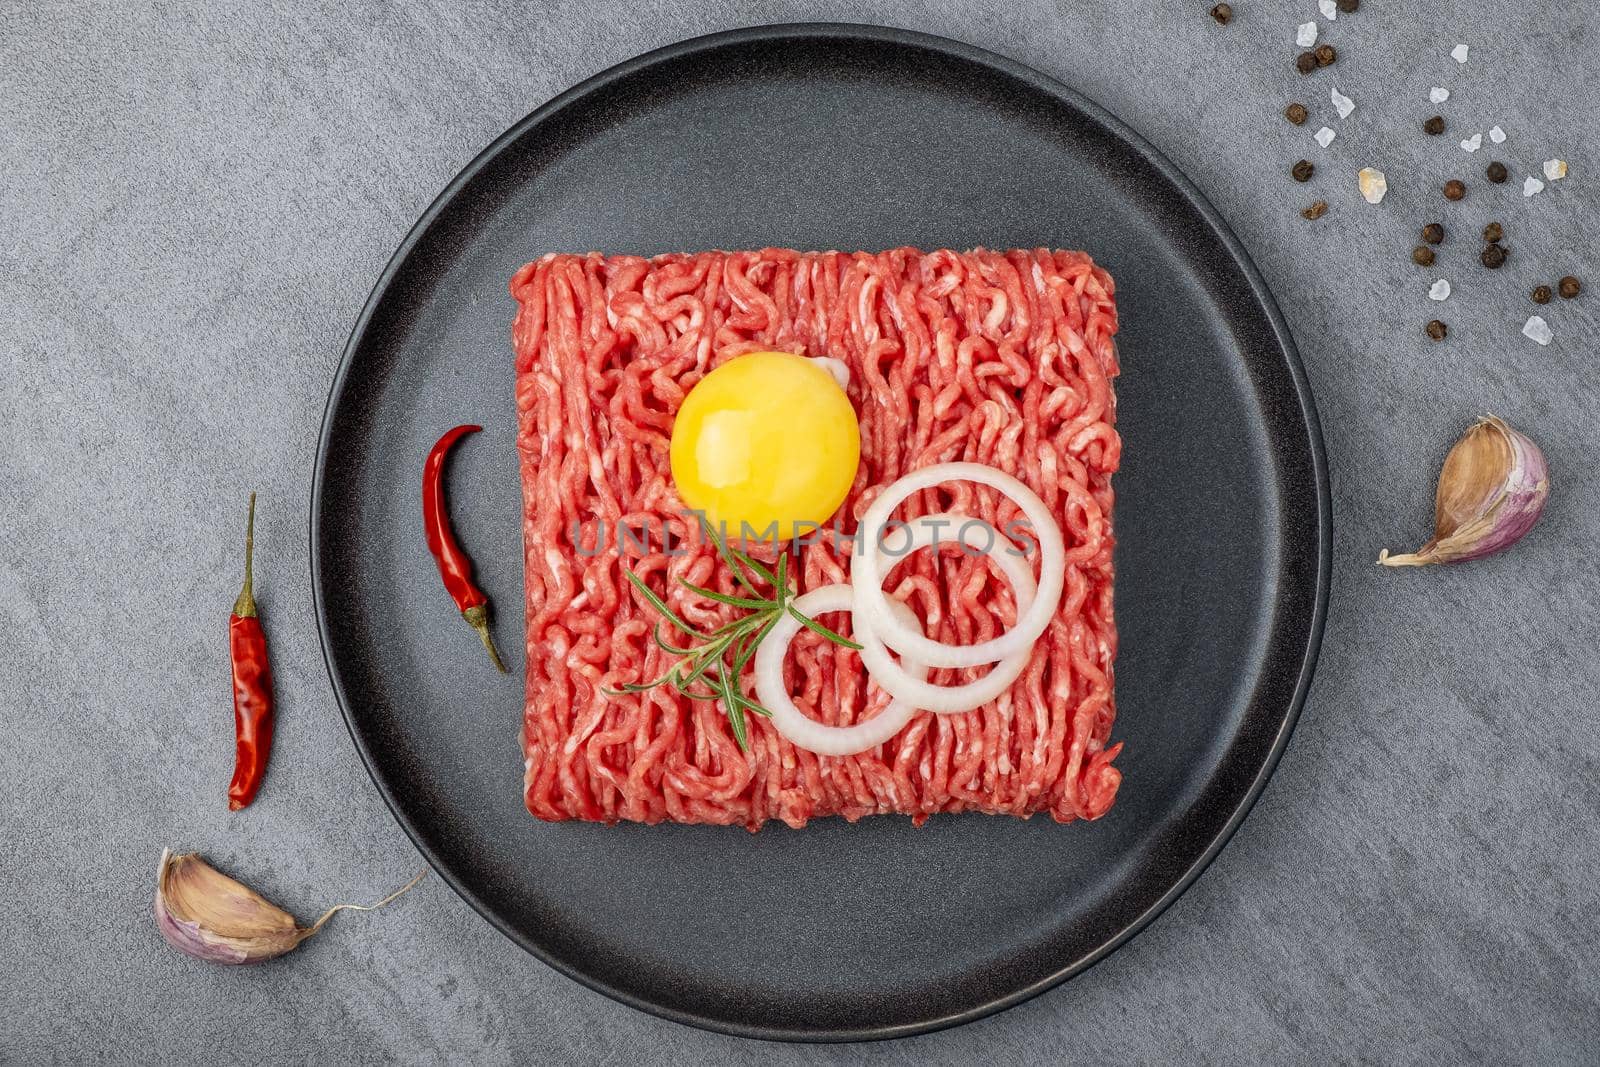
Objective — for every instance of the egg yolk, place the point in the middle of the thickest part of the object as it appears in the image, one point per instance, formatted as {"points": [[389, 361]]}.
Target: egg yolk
{"points": [[767, 439]]}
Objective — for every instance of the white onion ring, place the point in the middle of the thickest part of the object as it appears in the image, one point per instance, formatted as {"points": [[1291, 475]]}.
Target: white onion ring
{"points": [[808, 733], [871, 604], [903, 685]]}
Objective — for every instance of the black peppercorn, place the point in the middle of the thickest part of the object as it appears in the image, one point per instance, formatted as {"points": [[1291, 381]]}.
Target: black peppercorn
{"points": [[1493, 232], [1493, 256], [1496, 172], [1325, 55], [1422, 256], [1434, 126], [1296, 113], [1306, 62], [1437, 330], [1223, 13], [1433, 233], [1569, 287], [1316, 210], [1347, 6], [1454, 189], [1301, 171], [1541, 294]]}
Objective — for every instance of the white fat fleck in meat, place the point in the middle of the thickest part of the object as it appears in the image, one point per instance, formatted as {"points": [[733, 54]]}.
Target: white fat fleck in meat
{"points": [[997, 312], [868, 320], [557, 563], [837, 368]]}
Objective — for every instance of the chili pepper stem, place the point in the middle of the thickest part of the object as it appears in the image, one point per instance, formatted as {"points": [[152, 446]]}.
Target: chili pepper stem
{"points": [[478, 617], [245, 606]]}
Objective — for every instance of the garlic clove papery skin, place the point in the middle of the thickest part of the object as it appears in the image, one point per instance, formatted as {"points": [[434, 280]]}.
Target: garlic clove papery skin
{"points": [[204, 913], [1511, 508], [1492, 490]]}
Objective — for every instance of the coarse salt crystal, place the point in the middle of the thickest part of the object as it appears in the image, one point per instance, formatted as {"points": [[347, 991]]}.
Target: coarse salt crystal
{"points": [[1555, 169], [1373, 184], [1324, 137], [1538, 330], [1306, 35], [1531, 186], [1497, 135], [1459, 53], [1472, 144], [1438, 94], [1440, 290], [1329, 9], [1342, 103]]}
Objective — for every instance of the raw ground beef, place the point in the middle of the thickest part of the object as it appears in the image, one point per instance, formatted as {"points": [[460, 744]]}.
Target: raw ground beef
{"points": [[1002, 358]]}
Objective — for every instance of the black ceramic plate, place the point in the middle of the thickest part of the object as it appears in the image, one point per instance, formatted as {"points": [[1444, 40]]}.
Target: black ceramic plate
{"points": [[829, 137]]}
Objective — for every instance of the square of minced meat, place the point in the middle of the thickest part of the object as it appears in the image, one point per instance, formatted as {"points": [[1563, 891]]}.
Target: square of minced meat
{"points": [[999, 358]]}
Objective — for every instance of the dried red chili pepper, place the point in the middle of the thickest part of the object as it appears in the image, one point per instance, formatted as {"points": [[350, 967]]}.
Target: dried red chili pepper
{"points": [[454, 566], [252, 683]]}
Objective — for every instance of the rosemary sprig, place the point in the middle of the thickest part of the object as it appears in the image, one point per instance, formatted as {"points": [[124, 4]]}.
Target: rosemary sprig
{"points": [[709, 667]]}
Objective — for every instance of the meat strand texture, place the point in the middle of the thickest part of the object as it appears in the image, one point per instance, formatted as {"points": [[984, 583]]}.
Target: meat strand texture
{"points": [[1001, 358]]}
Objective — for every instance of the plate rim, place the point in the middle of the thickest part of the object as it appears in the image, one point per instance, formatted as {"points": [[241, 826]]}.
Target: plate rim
{"points": [[892, 36]]}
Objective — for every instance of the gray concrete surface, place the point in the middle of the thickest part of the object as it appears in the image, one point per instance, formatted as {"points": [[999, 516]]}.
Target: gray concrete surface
{"points": [[195, 199]]}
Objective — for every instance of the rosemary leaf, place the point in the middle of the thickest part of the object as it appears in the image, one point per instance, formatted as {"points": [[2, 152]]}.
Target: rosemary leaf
{"points": [[636, 687], [727, 555], [744, 655], [760, 569], [731, 704], [708, 656], [724, 598], [729, 627], [816, 627], [667, 647], [746, 702], [661, 606]]}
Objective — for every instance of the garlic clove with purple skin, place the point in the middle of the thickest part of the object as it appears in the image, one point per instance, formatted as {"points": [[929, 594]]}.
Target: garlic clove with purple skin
{"points": [[1492, 489], [204, 913]]}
